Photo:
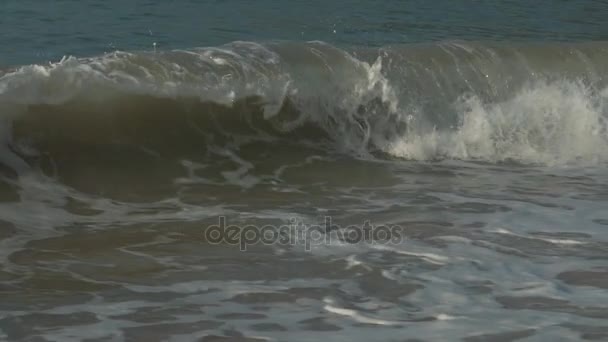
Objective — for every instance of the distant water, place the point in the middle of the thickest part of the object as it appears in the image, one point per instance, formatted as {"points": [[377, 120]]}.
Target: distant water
{"points": [[305, 170]]}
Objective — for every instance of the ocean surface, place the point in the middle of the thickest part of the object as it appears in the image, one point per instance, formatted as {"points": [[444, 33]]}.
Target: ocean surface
{"points": [[303, 170]]}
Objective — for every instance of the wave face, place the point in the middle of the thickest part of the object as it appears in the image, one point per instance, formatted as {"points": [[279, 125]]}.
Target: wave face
{"points": [[541, 104]]}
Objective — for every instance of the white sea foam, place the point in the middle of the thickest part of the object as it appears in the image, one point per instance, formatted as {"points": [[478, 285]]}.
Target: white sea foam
{"points": [[545, 123]]}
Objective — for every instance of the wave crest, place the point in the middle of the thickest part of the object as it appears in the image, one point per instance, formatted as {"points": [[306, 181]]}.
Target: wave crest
{"points": [[457, 101]]}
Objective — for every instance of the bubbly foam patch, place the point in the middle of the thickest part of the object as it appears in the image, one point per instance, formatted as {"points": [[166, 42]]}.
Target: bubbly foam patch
{"points": [[545, 122]]}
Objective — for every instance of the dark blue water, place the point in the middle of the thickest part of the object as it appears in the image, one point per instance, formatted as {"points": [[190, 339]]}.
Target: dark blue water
{"points": [[466, 142]]}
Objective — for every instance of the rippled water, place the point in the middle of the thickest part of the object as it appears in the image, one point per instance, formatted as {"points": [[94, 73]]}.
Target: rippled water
{"points": [[36, 31], [468, 140]]}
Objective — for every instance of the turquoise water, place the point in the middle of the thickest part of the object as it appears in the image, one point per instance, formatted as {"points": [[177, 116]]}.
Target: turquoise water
{"points": [[303, 170]]}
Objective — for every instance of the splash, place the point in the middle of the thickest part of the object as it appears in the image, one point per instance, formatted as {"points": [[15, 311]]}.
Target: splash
{"points": [[544, 122]]}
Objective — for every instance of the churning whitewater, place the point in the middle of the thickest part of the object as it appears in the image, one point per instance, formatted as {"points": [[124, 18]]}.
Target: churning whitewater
{"points": [[527, 103]]}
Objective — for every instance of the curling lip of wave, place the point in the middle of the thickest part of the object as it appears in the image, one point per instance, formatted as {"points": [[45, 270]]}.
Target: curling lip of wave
{"points": [[539, 104]]}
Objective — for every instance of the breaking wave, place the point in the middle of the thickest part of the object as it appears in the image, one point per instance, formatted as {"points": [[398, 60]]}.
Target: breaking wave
{"points": [[528, 103]]}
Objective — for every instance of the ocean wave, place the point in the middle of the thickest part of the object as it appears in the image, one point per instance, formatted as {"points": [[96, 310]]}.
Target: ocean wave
{"points": [[528, 103]]}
